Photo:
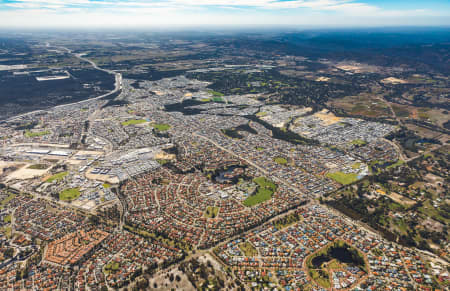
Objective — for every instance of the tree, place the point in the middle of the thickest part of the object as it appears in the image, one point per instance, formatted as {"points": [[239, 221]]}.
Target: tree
{"points": [[9, 252], [142, 284], [94, 219]]}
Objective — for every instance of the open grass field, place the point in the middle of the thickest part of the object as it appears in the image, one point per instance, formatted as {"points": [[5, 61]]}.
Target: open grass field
{"points": [[57, 177], [248, 249], [112, 267], [261, 114], [36, 134], [334, 264], [356, 165], [266, 188], [7, 231], [211, 211], [7, 219], [359, 142], [215, 93], [217, 99], [400, 111], [133, 122], [161, 126], [69, 194], [321, 278], [396, 164], [343, 178], [280, 160]]}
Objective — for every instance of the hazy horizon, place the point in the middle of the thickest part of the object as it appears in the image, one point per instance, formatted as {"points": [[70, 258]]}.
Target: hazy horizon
{"points": [[176, 14]]}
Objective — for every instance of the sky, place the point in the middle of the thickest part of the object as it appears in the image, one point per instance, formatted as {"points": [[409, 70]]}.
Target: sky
{"points": [[221, 13]]}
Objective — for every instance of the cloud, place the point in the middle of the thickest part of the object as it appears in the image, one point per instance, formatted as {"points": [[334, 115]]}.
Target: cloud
{"points": [[262, 4], [136, 13]]}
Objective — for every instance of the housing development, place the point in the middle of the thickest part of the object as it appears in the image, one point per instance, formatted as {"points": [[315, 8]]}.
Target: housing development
{"points": [[193, 174]]}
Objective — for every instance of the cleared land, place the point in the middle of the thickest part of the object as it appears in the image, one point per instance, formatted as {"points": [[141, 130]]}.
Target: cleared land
{"points": [[401, 199], [362, 105], [25, 173]]}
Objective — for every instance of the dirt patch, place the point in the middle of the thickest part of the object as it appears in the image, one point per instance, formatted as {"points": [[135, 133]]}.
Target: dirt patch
{"points": [[327, 117], [9, 167], [413, 113], [73, 162], [401, 199], [164, 156], [394, 81], [92, 153], [433, 225], [348, 68], [104, 178], [355, 67], [25, 173], [85, 204], [322, 79], [161, 281]]}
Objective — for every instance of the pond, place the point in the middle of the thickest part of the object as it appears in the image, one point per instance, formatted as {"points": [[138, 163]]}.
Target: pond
{"points": [[342, 254], [229, 175]]}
